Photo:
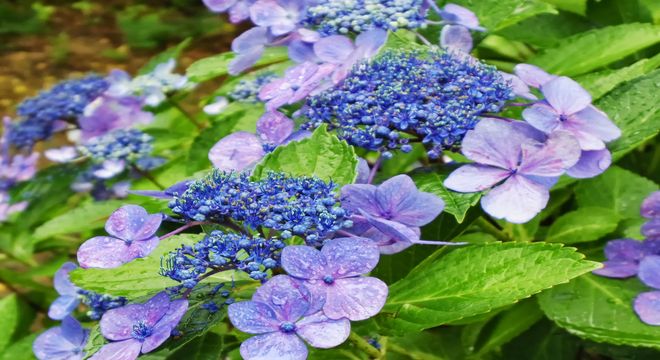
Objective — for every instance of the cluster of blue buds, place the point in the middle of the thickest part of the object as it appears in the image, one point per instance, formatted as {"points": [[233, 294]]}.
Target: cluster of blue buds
{"points": [[65, 101], [333, 17], [402, 97], [220, 251], [98, 304], [130, 145], [302, 206], [247, 90]]}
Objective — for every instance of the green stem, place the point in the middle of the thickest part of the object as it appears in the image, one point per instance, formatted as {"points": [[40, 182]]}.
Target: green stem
{"points": [[489, 228], [364, 345], [186, 114]]}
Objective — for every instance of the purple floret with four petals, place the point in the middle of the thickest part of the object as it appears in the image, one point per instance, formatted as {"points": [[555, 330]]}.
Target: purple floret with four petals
{"points": [[64, 342]]}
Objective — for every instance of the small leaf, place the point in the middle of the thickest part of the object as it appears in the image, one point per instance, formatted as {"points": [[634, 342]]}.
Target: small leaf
{"points": [[456, 203], [15, 319], [322, 155], [600, 309], [218, 65], [600, 83], [85, 217], [498, 14], [582, 225]]}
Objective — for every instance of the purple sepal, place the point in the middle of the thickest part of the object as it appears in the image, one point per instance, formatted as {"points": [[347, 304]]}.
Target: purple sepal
{"points": [[64, 342], [647, 307]]}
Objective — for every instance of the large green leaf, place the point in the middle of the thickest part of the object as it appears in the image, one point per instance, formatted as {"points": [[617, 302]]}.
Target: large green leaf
{"points": [[545, 30], [456, 203], [617, 189], [15, 319], [215, 66], [322, 155], [86, 217], [584, 224], [600, 309], [476, 279], [600, 83], [498, 14], [634, 108], [172, 53], [20, 349], [594, 49], [544, 341]]}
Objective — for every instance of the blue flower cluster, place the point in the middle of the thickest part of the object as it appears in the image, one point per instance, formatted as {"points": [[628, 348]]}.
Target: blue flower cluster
{"points": [[65, 101], [220, 251], [247, 90], [302, 206], [402, 97], [342, 16], [130, 145], [98, 304]]}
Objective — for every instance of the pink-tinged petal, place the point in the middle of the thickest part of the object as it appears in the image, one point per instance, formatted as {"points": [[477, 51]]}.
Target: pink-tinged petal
{"points": [[117, 324], [311, 84], [142, 248], [275, 89], [649, 271], [239, 12], [253, 317], [532, 75], [647, 307], [61, 280], [456, 14], [560, 152], [132, 222], [456, 38], [236, 151], [594, 122], [219, 5], [164, 326], [617, 269], [626, 250], [518, 86], [267, 13], [274, 127], [651, 206], [368, 43], [360, 196], [65, 342], [155, 308], [542, 117], [357, 298], [303, 262], [63, 306], [386, 244], [245, 60], [565, 95], [323, 333], [121, 350], [307, 35], [103, 252], [250, 40], [517, 200], [362, 171], [288, 298], [393, 192], [334, 49], [301, 51], [274, 346], [351, 256], [399, 200], [494, 142], [475, 177], [592, 163]]}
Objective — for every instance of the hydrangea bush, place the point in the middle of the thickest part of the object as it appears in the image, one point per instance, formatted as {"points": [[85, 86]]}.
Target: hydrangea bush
{"points": [[370, 180]]}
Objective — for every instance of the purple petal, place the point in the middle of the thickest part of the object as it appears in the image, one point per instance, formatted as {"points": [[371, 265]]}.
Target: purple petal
{"points": [[369, 42], [164, 326], [250, 40], [475, 177], [400, 201], [517, 200], [334, 49], [456, 38], [219, 5], [360, 196], [627, 250], [542, 117], [397, 232], [394, 192], [595, 123], [61, 155], [647, 307], [649, 271], [287, 297], [494, 142], [591, 164], [274, 127], [617, 269], [274, 346], [313, 83], [560, 152], [651, 206], [362, 171], [117, 324], [253, 317], [321, 332], [240, 11], [301, 51], [651, 229], [65, 342], [103, 252], [270, 14], [121, 350], [63, 306], [245, 60], [297, 136], [236, 151], [386, 244], [110, 168], [518, 86], [532, 75], [155, 309], [304, 262], [73, 332], [357, 298], [61, 280], [351, 256], [456, 14], [565, 95], [132, 222]]}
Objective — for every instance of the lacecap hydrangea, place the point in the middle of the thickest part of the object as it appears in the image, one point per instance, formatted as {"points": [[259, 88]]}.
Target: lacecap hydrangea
{"points": [[131, 145], [410, 96], [247, 89]]}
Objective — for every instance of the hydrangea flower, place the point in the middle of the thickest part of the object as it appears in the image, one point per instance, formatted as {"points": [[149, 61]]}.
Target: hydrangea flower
{"points": [[132, 235], [98, 304], [248, 47], [514, 163], [239, 10], [391, 213], [334, 274], [139, 328], [456, 34], [247, 90], [282, 314], [647, 304], [108, 113], [69, 298], [64, 342], [152, 88], [279, 16], [129, 145], [401, 97], [298, 83], [651, 210], [624, 255], [240, 150]]}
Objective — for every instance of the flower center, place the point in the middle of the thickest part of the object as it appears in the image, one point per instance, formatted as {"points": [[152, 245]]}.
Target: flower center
{"points": [[141, 331], [563, 117], [287, 327], [328, 279]]}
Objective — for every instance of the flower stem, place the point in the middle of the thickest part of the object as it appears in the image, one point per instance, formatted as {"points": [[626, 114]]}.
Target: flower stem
{"points": [[489, 228], [147, 175], [184, 227], [423, 39], [363, 345], [183, 111], [374, 169]]}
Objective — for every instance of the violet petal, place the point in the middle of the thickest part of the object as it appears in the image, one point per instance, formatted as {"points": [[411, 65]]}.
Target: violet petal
{"points": [[120, 350], [617, 269], [517, 200], [360, 196], [560, 152], [63, 306], [565, 95], [275, 345], [236, 151], [456, 38], [351, 256], [103, 252], [592, 163], [649, 271], [475, 177], [356, 298], [651, 206], [323, 333], [274, 127], [303, 262], [647, 307], [287, 297], [253, 317], [542, 117]]}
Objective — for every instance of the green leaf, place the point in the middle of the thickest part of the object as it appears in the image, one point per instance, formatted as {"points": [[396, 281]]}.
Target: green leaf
{"points": [[172, 53], [86, 217], [634, 109], [15, 319], [322, 155], [137, 278], [593, 49], [218, 65], [600, 83], [617, 189], [544, 341], [582, 225], [600, 309], [456, 203], [545, 30], [209, 346], [20, 349], [498, 14], [476, 279]]}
